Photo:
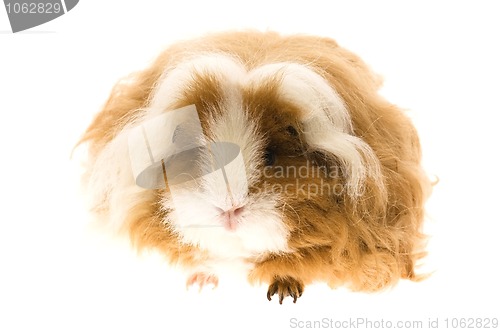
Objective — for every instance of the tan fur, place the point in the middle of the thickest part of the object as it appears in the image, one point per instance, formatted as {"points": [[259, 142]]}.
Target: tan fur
{"points": [[366, 244]]}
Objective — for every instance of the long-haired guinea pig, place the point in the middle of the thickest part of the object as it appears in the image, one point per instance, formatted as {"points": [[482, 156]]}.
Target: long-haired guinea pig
{"points": [[271, 154]]}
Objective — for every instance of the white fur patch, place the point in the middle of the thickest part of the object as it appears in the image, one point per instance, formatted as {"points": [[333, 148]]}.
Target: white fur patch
{"points": [[112, 182], [175, 80], [260, 230]]}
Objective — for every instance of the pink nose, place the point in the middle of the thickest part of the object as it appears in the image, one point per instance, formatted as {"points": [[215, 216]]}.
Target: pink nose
{"points": [[230, 217]]}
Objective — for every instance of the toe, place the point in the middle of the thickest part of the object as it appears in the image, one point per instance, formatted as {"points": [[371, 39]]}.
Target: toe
{"points": [[202, 279], [285, 286]]}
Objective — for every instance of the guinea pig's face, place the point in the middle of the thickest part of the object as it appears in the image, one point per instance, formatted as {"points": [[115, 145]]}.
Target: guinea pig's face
{"points": [[295, 157]]}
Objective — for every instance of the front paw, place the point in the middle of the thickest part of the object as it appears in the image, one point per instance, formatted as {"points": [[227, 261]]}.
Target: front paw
{"points": [[285, 286], [202, 279]]}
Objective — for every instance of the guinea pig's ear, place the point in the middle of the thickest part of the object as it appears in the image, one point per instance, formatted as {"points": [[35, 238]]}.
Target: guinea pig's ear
{"points": [[327, 124], [357, 159]]}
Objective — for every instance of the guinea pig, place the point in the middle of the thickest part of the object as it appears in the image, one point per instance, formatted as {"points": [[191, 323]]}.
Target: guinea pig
{"points": [[317, 178]]}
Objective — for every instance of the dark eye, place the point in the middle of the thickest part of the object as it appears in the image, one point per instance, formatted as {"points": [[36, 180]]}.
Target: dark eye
{"points": [[292, 131], [269, 157]]}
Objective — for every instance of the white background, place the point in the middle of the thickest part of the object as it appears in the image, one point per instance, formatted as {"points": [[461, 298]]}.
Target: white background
{"points": [[439, 60]]}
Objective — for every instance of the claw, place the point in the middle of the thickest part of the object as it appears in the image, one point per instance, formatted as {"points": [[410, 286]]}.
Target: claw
{"points": [[273, 289], [202, 279], [285, 286]]}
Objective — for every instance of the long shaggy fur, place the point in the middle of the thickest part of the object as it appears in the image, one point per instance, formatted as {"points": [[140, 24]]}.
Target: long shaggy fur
{"points": [[366, 237]]}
